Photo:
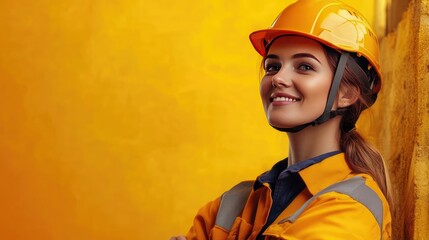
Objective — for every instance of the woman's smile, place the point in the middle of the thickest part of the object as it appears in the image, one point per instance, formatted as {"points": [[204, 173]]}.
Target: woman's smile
{"points": [[280, 99]]}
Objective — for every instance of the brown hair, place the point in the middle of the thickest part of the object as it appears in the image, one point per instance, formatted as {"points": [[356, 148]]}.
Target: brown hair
{"points": [[361, 157]]}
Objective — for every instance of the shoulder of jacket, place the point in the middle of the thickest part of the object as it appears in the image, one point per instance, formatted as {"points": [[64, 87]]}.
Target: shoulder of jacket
{"points": [[354, 188], [232, 203]]}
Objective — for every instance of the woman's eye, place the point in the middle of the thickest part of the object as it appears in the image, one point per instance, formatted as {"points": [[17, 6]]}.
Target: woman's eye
{"points": [[272, 68], [305, 67]]}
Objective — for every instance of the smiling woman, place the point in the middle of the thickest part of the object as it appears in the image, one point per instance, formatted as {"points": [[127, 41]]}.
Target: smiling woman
{"points": [[119, 118], [321, 72]]}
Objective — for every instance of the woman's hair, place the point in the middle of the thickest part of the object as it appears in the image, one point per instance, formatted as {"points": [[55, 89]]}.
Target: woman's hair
{"points": [[361, 157]]}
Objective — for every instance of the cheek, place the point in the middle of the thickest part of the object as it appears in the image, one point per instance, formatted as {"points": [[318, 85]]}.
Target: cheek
{"points": [[318, 90], [315, 94]]}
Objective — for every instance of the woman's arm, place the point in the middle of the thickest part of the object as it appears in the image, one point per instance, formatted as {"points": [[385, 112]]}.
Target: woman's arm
{"points": [[178, 238], [203, 224], [204, 221]]}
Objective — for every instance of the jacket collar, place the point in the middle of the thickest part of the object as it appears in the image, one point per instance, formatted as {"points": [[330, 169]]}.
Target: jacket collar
{"points": [[325, 173]]}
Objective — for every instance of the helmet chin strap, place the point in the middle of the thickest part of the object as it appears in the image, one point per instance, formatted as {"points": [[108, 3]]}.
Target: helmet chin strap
{"points": [[327, 113]]}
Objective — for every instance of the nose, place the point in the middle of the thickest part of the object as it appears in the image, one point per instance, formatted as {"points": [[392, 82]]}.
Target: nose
{"points": [[281, 79]]}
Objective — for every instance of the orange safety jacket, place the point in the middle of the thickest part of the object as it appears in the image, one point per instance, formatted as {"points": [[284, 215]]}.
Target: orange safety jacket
{"points": [[328, 215]]}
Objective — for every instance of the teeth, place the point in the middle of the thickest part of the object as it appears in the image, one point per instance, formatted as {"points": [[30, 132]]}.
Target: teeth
{"points": [[284, 99]]}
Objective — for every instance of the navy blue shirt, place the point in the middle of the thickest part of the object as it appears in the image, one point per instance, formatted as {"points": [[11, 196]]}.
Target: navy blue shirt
{"points": [[285, 184]]}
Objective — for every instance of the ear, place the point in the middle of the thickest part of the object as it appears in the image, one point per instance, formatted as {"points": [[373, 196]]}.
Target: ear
{"points": [[347, 96]]}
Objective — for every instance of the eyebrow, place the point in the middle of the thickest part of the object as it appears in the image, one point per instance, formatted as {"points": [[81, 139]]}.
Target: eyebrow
{"points": [[305, 55], [298, 55], [273, 56]]}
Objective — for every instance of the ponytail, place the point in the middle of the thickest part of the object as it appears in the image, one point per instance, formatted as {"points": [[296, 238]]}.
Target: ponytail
{"points": [[361, 157]]}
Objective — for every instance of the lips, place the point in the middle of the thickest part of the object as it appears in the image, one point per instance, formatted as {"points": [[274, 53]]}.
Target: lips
{"points": [[283, 97]]}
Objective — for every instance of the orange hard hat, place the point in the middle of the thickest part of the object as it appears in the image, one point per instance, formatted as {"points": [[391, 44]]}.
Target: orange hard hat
{"points": [[330, 22]]}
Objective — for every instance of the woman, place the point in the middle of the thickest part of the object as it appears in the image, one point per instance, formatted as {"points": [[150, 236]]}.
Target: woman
{"points": [[321, 71]]}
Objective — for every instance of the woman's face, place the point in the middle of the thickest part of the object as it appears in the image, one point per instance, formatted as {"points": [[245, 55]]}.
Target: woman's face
{"points": [[297, 79]]}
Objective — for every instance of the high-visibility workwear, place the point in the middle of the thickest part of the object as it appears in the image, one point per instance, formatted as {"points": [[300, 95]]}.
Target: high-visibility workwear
{"points": [[329, 22], [329, 215], [233, 201]]}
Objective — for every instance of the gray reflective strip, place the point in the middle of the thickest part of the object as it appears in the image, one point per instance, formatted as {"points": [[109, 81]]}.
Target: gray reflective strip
{"points": [[232, 203], [355, 188]]}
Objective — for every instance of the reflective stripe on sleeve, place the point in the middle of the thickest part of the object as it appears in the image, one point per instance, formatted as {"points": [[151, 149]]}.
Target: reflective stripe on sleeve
{"points": [[232, 204]]}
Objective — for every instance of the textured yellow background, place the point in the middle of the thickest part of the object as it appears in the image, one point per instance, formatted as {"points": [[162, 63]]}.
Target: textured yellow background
{"points": [[119, 119], [404, 137]]}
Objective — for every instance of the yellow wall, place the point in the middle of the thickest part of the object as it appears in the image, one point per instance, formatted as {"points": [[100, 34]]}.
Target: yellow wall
{"points": [[119, 119], [403, 138]]}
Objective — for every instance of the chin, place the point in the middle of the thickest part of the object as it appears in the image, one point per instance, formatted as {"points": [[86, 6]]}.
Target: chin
{"points": [[283, 120], [281, 124]]}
